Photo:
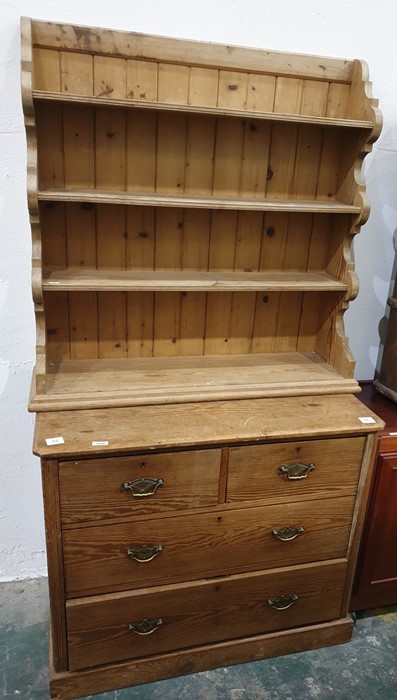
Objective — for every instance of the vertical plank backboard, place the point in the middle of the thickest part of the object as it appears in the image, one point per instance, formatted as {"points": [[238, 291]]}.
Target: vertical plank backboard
{"points": [[171, 153], [112, 306], [81, 253], [242, 313], [141, 151], [168, 255], [110, 148], [260, 92], [265, 322], [192, 323], [166, 324], [81, 250], [140, 311], [200, 155], [195, 255], [140, 238], [338, 97], [110, 77], [255, 158], [275, 232], [228, 157], [196, 236], [46, 70], [287, 99], [307, 162], [53, 233], [77, 73], [314, 98], [142, 79], [247, 258], [248, 241], [78, 139], [298, 242], [232, 91], [288, 322], [173, 83], [169, 237], [221, 257], [50, 154], [203, 86]]}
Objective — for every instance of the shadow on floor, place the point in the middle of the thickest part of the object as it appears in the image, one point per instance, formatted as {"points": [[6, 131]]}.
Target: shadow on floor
{"points": [[364, 669]]}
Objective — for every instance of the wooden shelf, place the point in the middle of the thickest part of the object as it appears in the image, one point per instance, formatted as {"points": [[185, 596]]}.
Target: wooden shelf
{"points": [[159, 280], [197, 202], [74, 384], [41, 95]]}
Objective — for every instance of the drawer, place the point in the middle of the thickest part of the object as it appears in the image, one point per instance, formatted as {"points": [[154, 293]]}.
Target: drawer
{"points": [[175, 549], [123, 486], [258, 472], [173, 617]]}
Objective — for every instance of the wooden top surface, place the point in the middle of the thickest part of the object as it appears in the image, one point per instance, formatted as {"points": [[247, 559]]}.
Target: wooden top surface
{"points": [[188, 425]]}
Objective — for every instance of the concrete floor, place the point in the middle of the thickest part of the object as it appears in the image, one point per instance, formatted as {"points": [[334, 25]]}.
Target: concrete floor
{"points": [[364, 669]]}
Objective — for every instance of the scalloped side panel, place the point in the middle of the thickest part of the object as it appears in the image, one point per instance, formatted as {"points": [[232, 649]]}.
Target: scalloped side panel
{"points": [[332, 343], [30, 127]]}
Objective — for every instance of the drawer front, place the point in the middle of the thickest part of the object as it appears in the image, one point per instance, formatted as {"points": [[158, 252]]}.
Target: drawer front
{"points": [[265, 471], [152, 552], [173, 617], [123, 486]]}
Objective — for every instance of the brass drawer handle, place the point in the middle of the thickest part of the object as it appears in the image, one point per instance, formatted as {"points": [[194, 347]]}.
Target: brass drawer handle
{"points": [[287, 534], [141, 488], [296, 471], [145, 553], [282, 603], [145, 626]]}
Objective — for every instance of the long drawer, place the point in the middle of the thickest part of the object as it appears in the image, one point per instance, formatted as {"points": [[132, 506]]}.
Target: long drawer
{"points": [[136, 624], [295, 470], [108, 558], [123, 486]]}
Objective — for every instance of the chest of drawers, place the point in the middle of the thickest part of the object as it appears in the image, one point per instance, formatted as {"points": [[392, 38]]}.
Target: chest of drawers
{"points": [[177, 546]]}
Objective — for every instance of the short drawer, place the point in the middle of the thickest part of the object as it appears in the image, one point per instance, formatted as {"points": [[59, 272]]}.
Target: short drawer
{"points": [[136, 624], [123, 486], [295, 470], [151, 552]]}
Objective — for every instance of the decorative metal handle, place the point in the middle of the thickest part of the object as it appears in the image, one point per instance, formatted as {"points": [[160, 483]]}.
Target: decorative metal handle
{"points": [[296, 471], [141, 488], [284, 602], [288, 533], [145, 626], [145, 553]]}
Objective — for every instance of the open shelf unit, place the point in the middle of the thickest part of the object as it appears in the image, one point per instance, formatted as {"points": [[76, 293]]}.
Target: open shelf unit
{"points": [[160, 173]]}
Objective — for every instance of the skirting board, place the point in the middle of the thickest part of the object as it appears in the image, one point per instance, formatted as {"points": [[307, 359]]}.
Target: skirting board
{"points": [[67, 686]]}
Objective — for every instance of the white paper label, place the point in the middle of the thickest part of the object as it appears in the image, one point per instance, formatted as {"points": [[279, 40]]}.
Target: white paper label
{"points": [[52, 282], [98, 443], [392, 433], [55, 441], [367, 419]]}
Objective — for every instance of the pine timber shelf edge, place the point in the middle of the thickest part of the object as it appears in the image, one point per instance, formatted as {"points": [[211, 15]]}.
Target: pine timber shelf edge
{"points": [[165, 280], [43, 96], [75, 384], [96, 196]]}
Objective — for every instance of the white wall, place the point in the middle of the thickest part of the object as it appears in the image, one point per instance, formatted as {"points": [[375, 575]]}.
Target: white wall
{"points": [[335, 28]]}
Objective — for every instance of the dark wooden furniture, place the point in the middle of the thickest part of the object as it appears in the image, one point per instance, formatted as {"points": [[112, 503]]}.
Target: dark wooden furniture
{"points": [[376, 575], [386, 383]]}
